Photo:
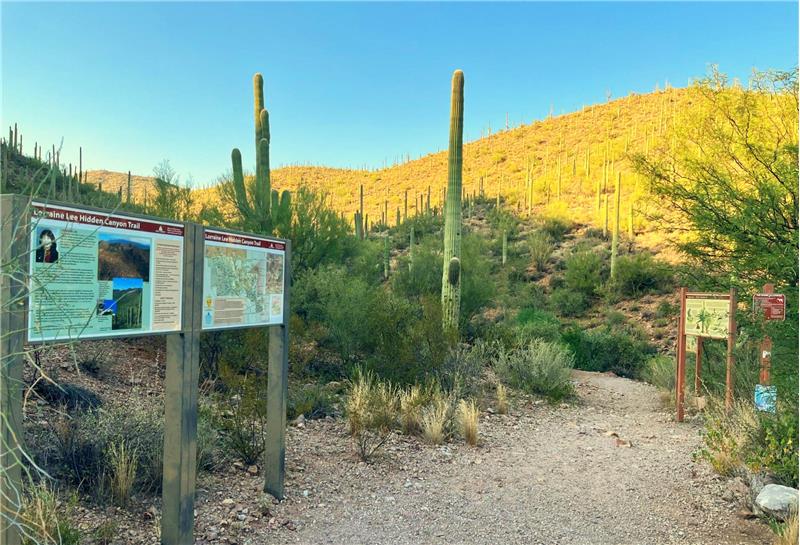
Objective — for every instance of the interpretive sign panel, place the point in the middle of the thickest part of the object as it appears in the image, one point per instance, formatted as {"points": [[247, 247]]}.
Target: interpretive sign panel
{"points": [[102, 274], [707, 316], [770, 305], [243, 280]]}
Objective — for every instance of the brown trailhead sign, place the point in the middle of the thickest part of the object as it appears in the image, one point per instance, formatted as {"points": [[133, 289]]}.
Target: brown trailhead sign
{"points": [[770, 305]]}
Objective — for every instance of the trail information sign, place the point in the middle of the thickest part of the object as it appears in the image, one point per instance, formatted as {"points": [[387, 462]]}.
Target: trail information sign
{"points": [[707, 316], [243, 280], [772, 306], [102, 274]]}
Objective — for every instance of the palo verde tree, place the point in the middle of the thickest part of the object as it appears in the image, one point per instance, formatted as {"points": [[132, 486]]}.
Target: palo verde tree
{"points": [[729, 177], [451, 274]]}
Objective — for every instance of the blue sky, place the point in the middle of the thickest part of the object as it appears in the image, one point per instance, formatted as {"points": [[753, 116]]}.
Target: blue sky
{"points": [[347, 84]]}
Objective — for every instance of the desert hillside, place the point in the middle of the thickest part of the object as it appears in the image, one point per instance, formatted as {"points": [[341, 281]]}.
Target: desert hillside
{"points": [[571, 148]]}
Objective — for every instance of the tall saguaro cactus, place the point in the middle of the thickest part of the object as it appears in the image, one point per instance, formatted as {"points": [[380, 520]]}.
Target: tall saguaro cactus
{"points": [[261, 207], [451, 271], [615, 227]]}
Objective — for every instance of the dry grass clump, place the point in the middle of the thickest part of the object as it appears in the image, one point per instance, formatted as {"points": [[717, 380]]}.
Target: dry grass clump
{"points": [[371, 413], [730, 435], [412, 402], [467, 416], [502, 399], [434, 421], [790, 534], [44, 518], [124, 462]]}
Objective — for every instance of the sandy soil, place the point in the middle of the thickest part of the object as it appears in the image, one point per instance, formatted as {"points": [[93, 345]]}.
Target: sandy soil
{"points": [[612, 468]]}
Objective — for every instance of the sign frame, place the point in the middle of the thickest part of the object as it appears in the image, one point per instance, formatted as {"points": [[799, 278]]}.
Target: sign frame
{"points": [[286, 252], [680, 378], [182, 370], [32, 222]]}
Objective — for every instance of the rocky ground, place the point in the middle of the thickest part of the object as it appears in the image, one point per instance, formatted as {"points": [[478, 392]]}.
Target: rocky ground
{"points": [[613, 468]]}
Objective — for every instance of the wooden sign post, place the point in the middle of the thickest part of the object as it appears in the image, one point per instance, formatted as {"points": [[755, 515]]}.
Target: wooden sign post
{"points": [[704, 315], [172, 294]]}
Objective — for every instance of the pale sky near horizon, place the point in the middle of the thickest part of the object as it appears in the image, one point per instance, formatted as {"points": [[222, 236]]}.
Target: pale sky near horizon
{"points": [[347, 84]]}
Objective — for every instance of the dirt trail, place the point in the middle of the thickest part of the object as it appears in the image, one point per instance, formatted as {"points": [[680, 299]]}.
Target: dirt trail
{"points": [[544, 475]]}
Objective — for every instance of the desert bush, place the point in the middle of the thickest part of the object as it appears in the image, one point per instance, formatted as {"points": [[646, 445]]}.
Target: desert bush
{"points": [[467, 415], [659, 371], [462, 370], [585, 272], [371, 410], [502, 398], [789, 532], [567, 302], [537, 324], [556, 227], [310, 400], [777, 450], [209, 442], [537, 367], [46, 520], [242, 419], [412, 401], [638, 274], [729, 436], [620, 351], [540, 246]]}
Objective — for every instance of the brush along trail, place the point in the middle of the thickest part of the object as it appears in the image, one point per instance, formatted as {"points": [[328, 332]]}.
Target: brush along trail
{"points": [[611, 467]]}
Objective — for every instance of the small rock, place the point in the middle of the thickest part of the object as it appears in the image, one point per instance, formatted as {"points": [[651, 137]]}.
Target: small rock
{"points": [[253, 470], [228, 501], [300, 421], [776, 501]]}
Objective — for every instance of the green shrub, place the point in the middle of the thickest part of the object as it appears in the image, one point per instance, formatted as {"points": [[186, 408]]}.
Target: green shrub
{"points": [[242, 418], [778, 450], [540, 246], [372, 412], [660, 371], [566, 302], [310, 400], [619, 351], [638, 274], [585, 273], [477, 286], [556, 227], [538, 367], [537, 324], [463, 368]]}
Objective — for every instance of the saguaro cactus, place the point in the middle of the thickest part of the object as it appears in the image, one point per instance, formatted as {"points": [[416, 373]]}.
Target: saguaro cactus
{"points": [[615, 227], [261, 207], [386, 257], [451, 274], [411, 250]]}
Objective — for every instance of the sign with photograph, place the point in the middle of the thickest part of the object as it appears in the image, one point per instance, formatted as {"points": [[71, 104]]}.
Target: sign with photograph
{"points": [[102, 274], [707, 316], [765, 398], [243, 280], [772, 306]]}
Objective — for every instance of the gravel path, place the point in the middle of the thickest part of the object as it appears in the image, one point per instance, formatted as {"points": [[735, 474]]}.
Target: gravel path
{"points": [[543, 475]]}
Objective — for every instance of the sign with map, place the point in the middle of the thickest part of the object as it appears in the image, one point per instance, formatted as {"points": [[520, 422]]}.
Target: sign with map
{"points": [[102, 274], [243, 280], [707, 316]]}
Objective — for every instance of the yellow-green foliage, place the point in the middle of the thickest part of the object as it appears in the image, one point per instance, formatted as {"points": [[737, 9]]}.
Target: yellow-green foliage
{"points": [[467, 415]]}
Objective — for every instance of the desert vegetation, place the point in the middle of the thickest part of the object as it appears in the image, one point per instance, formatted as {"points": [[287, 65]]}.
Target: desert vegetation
{"points": [[553, 246]]}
